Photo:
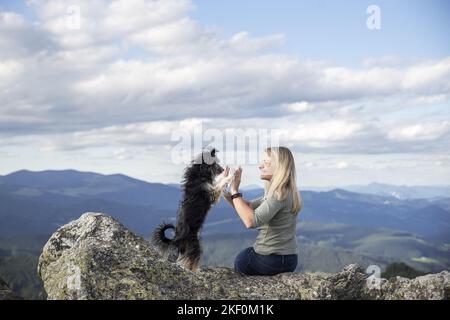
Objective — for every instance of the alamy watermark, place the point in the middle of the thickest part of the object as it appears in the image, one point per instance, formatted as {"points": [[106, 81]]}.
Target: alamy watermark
{"points": [[374, 20], [374, 277], [73, 17], [235, 145]]}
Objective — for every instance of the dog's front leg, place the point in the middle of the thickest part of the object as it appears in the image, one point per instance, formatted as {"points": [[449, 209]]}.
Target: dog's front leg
{"points": [[220, 186]]}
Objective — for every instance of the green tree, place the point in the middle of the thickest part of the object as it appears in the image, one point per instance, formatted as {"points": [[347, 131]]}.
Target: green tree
{"points": [[401, 269]]}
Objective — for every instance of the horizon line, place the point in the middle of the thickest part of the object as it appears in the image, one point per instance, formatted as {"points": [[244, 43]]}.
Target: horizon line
{"points": [[244, 186]]}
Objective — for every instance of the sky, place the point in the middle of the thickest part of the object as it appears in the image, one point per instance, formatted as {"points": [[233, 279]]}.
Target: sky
{"points": [[358, 90]]}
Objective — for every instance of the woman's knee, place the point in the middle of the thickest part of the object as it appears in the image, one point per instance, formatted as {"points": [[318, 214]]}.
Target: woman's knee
{"points": [[268, 266], [243, 259], [290, 264]]}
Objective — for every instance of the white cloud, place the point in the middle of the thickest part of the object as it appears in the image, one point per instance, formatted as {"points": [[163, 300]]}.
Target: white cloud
{"points": [[143, 134], [76, 80], [65, 89], [420, 131], [180, 36], [103, 20], [300, 106], [242, 42], [10, 70], [310, 164], [427, 77], [11, 20], [122, 154], [325, 131], [343, 136], [385, 61], [341, 165]]}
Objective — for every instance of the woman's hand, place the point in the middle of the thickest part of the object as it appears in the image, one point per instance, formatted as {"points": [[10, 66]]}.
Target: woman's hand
{"points": [[234, 186]]}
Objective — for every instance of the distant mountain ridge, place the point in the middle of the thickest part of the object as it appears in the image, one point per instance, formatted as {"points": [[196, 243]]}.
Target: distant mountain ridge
{"points": [[38, 202], [385, 190], [336, 227], [402, 192]]}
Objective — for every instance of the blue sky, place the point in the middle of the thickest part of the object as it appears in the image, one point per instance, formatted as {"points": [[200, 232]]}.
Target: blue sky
{"points": [[336, 30], [329, 30], [354, 105]]}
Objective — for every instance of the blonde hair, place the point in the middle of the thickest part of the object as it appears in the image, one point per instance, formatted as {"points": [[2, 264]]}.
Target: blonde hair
{"points": [[284, 179]]}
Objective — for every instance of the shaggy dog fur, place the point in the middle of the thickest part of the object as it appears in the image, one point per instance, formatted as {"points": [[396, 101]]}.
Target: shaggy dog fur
{"points": [[202, 186]]}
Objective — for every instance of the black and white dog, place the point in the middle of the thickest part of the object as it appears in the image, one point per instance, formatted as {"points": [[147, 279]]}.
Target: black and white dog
{"points": [[202, 186]]}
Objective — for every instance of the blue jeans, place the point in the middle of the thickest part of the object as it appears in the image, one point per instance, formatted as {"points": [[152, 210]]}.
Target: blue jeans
{"points": [[251, 263]]}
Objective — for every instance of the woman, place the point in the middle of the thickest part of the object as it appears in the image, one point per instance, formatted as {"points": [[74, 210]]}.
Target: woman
{"points": [[274, 214]]}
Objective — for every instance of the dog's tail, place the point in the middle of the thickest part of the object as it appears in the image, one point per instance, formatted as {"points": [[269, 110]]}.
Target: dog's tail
{"points": [[161, 242]]}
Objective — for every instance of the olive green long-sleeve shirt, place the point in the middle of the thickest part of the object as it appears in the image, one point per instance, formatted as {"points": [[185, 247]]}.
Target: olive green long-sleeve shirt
{"points": [[276, 225]]}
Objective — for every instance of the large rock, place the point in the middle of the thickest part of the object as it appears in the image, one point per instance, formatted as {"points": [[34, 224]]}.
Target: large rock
{"points": [[96, 257]]}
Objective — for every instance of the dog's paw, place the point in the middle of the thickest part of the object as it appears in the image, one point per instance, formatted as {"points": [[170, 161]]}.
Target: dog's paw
{"points": [[227, 180]]}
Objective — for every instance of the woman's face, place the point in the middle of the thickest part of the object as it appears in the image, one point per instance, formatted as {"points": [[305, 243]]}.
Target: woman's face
{"points": [[266, 168]]}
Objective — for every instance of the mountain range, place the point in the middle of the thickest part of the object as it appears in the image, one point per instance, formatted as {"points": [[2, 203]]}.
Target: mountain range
{"points": [[39, 202], [336, 227]]}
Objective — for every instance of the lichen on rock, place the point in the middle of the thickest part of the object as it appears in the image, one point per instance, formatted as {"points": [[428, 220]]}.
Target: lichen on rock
{"points": [[96, 257]]}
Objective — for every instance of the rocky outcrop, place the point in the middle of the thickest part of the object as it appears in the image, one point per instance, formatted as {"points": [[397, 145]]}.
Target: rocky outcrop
{"points": [[6, 293], [96, 257]]}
